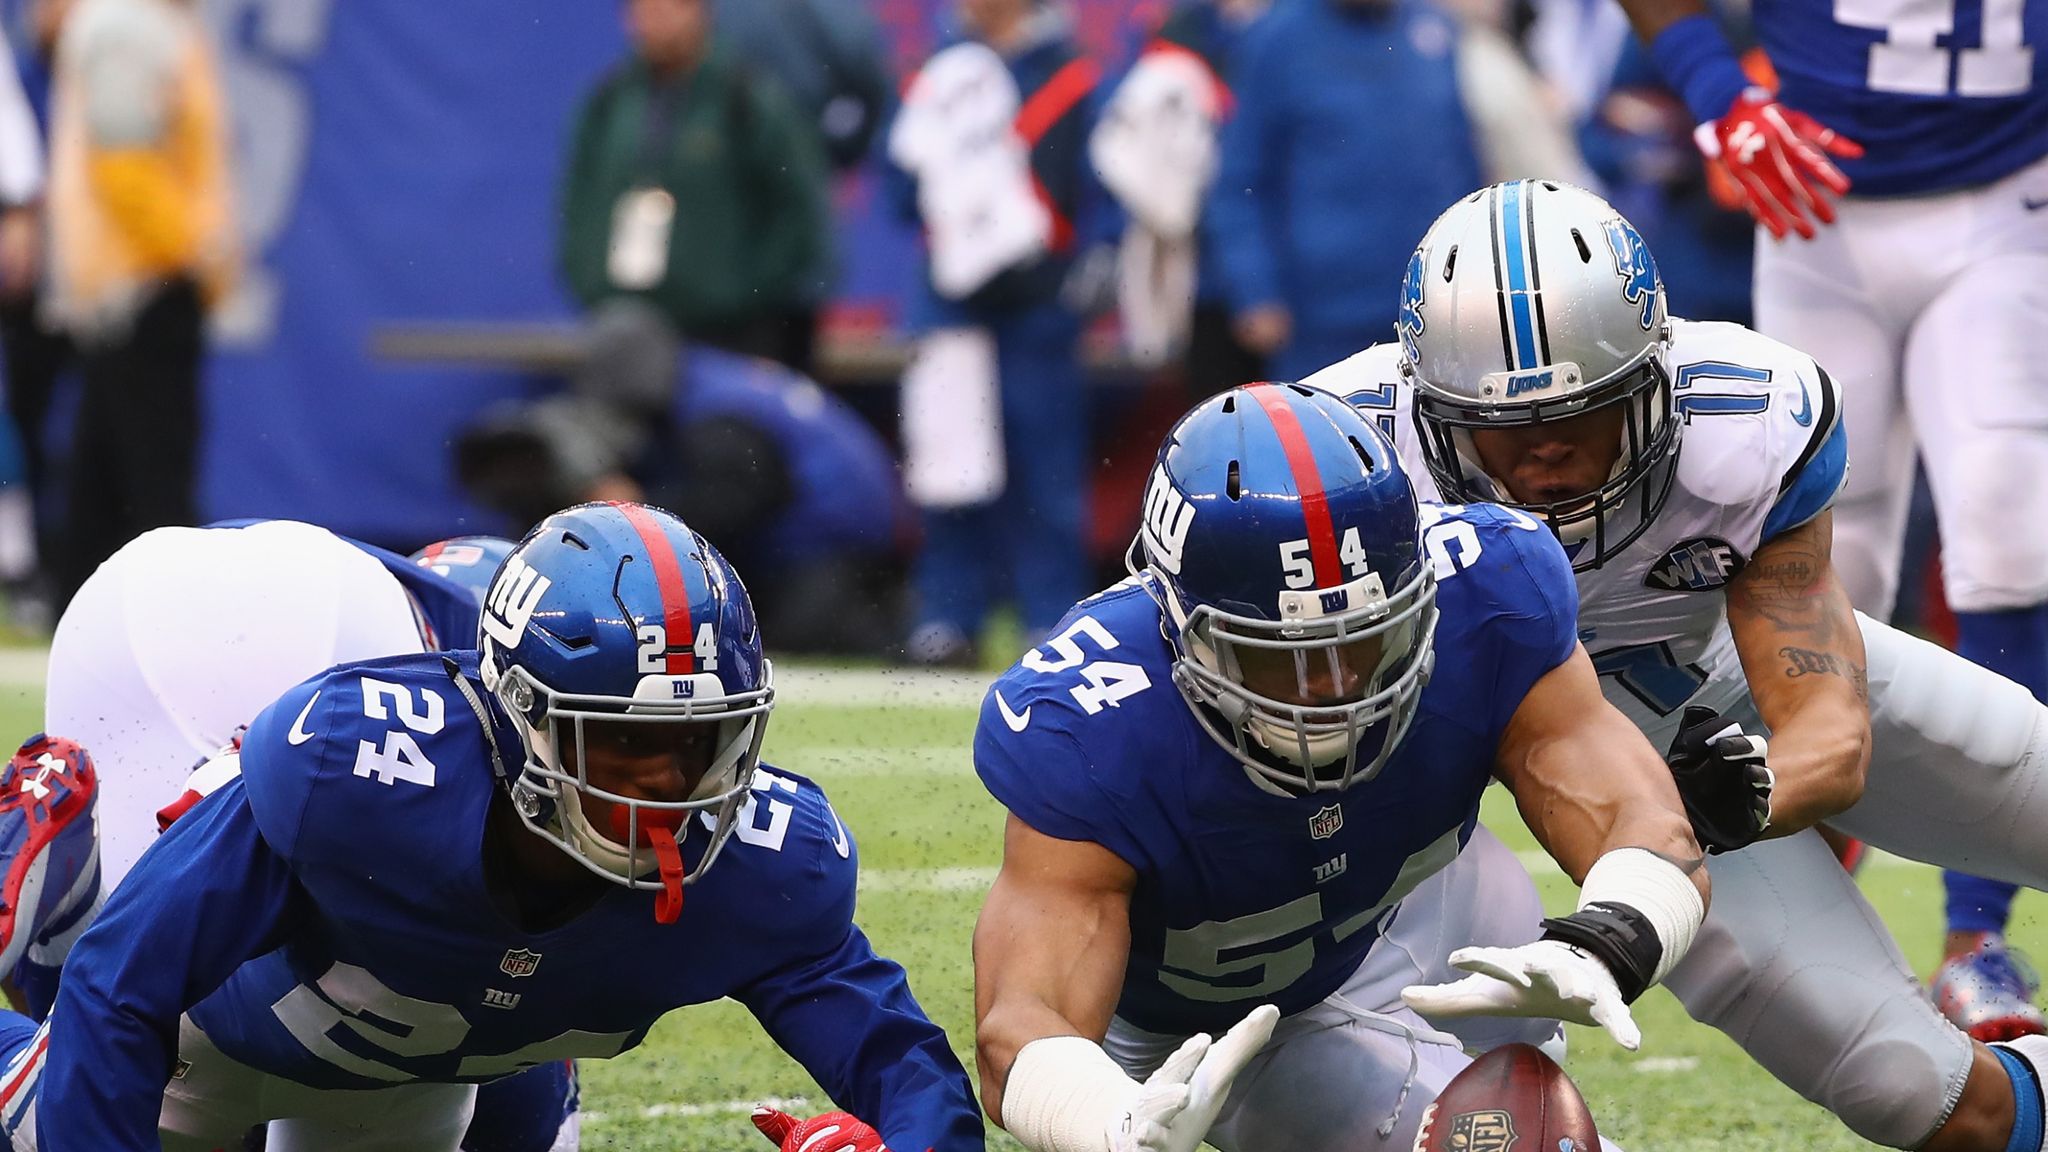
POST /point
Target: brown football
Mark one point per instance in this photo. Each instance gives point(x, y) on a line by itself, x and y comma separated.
point(1513, 1099)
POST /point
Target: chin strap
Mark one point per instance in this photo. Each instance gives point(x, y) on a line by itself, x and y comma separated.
point(669, 904)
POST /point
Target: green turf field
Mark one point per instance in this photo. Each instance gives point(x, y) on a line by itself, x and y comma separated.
point(896, 766)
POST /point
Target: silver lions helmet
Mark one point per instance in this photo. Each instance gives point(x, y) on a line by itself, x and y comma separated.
point(1529, 304)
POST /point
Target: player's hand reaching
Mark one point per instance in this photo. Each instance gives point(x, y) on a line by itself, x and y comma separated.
point(1176, 1105)
point(1724, 778)
point(1779, 159)
point(831, 1132)
point(1548, 978)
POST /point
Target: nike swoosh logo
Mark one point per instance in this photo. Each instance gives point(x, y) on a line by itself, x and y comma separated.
point(2033, 205)
point(1804, 416)
point(839, 843)
point(1016, 720)
point(298, 735)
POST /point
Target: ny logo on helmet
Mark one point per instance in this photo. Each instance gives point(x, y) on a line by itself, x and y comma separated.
point(1633, 264)
point(1168, 516)
point(514, 596)
point(1411, 324)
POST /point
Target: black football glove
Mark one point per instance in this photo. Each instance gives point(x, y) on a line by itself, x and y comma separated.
point(1723, 779)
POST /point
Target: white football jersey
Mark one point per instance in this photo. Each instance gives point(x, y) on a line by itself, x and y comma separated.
point(1760, 451)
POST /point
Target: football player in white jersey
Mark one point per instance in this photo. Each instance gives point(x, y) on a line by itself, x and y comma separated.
point(1926, 292)
point(1689, 469)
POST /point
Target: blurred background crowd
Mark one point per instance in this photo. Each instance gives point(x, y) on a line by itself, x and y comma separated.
point(890, 298)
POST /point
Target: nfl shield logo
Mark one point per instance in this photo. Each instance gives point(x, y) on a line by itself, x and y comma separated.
point(1324, 824)
point(1486, 1131)
point(519, 962)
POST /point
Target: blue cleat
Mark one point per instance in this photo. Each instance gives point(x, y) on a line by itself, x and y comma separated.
point(49, 844)
point(1989, 992)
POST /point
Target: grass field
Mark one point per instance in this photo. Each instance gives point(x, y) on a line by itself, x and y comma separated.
point(892, 752)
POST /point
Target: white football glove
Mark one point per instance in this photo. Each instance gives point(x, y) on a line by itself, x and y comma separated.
point(1176, 1104)
point(1548, 978)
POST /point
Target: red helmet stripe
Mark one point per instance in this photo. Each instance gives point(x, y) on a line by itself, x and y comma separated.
point(1315, 506)
point(668, 582)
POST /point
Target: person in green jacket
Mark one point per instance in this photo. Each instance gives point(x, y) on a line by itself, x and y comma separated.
point(693, 182)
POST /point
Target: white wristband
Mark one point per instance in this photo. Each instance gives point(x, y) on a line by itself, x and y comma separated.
point(1658, 889)
point(1062, 1092)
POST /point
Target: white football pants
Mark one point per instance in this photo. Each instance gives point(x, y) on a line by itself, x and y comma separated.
point(1932, 313)
point(1795, 966)
point(185, 634)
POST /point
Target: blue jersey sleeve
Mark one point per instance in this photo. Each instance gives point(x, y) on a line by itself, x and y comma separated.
point(1809, 487)
point(208, 895)
point(1043, 772)
point(847, 1014)
point(1509, 586)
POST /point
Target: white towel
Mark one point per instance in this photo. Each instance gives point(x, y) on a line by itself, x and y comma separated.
point(1155, 148)
point(953, 420)
point(1155, 294)
point(956, 133)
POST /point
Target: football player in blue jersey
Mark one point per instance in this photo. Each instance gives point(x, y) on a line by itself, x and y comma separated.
point(1924, 297)
point(1690, 469)
point(1243, 791)
point(428, 872)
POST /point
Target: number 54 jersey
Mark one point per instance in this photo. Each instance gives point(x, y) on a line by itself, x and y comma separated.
point(1761, 451)
point(1245, 896)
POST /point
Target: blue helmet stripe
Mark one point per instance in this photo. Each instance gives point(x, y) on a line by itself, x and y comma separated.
point(1514, 246)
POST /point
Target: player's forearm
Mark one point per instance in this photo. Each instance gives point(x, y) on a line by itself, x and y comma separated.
point(1820, 746)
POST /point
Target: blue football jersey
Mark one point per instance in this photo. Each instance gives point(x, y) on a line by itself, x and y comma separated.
point(325, 918)
point(1942, 94)
point(1243, 896)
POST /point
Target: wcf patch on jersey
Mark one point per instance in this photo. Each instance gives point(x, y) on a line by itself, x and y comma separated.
point(1701, 564)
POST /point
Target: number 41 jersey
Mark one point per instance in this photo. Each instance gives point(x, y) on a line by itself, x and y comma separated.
point(1245, 896)
point(1760, 451)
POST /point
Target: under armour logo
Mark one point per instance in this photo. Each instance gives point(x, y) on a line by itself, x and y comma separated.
point(1746, 142)
point(37, 785)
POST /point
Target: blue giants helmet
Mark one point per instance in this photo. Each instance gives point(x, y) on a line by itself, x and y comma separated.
point(1282, 540)
point(607, 620)
point(470, 561)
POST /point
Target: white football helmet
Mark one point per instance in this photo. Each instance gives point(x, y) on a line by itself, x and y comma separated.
point(1532, 301)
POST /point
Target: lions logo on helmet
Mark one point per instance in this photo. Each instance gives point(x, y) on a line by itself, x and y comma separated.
point(614, 631)
point(1410, 323)
point(1283, 544)
point(1639, 282)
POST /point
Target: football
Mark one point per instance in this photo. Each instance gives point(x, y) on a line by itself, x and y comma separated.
point(1514, 1097)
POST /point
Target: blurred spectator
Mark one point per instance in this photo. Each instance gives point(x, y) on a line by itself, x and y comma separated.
point(1637, 137)
point(1156, 152)
point(990, 149)
point(143, 243)
point(694, 182)
point(22, 340)
point(1357, 121)
point(828, 55)
point(767, 465)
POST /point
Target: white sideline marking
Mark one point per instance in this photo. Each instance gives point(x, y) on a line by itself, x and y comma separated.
point(926, 879)
point(799, 685)
point(716, 1108)
point(1660, 1064)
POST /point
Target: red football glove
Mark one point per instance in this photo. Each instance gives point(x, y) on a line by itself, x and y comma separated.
point(832, 1132)
point(1778, 158)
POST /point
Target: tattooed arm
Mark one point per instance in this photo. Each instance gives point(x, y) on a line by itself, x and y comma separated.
point(1803, 654)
